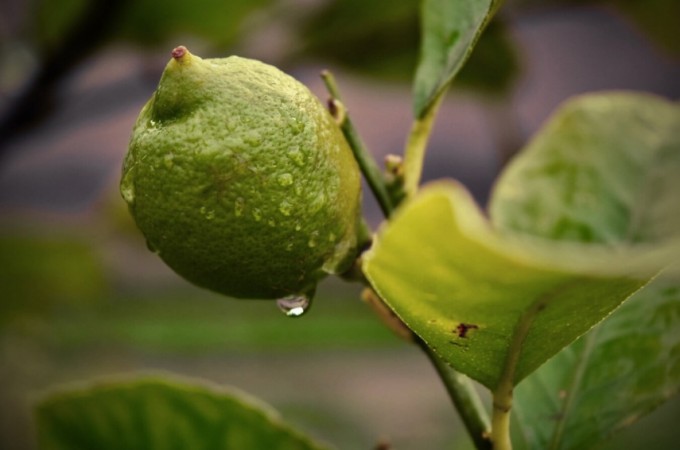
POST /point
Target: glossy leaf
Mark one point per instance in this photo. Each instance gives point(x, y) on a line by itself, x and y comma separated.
point(621, 370)
point(155, 413)
point(586, 212)
point(450, 29)
point(604, 169)
point(491, 306)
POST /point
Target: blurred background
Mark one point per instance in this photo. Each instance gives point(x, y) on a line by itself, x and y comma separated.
point(82, 297)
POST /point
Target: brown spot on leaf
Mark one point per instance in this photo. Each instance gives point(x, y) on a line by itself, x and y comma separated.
point(463, 328)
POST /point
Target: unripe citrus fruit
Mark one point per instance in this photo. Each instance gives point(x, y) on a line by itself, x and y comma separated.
point(241, 180)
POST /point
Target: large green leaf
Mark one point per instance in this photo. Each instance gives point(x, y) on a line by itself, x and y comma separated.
point(493, 307)
point(581, 218)
point(450, 29)
point(606, 168)
point(621, 370)
point(155, 413)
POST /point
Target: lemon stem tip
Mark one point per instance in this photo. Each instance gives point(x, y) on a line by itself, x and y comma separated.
point(179, 52)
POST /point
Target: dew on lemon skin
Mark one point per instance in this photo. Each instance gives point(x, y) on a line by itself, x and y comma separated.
point(318, 202)
point(285, 179)
point(294, 305)
point(207, 213)
point(168, 160)
point(296, 155)
point(285, 208)
point(253, 138)
point(128, 193)
point(296, 126)
point(313, 237)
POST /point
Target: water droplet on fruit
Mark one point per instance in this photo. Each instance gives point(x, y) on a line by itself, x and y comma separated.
point(127, 188)
point(318, 202)
point(253, 138)
point(294, 305)
point(313, 237)
point(285, 179)
point(239, 205)
point(285, 208)
point(168, 160)
point(296, 155)
point(296, 126)
point(128, 193)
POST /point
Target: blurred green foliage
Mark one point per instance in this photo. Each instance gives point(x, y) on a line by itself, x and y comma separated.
point(52, 20)
point(377, 38)
point(219, 22)
point(40, 272)
point(148, 22)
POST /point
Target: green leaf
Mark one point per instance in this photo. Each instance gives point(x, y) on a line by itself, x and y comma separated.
point(581, 218)
point(450, 29)
point(494, 307)
point(604, 169)
point(155, 413)
point(605, 381)
point(380, 39)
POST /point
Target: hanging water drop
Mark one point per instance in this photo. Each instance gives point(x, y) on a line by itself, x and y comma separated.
point(285, 179)
point(127, 189)
point(294, 305)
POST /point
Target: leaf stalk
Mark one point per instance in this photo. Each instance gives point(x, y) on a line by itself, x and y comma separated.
point(416, 145)
point(465, 399)
point(374, 177)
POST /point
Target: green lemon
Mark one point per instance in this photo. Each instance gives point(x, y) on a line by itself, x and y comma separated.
point(241, 180)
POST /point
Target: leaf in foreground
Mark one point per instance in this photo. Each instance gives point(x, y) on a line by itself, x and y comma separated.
point(627, 366)
point(494, 308)
point(155, 413)
point(581, 219)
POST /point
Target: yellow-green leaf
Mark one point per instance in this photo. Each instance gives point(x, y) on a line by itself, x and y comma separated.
point(493, 307)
